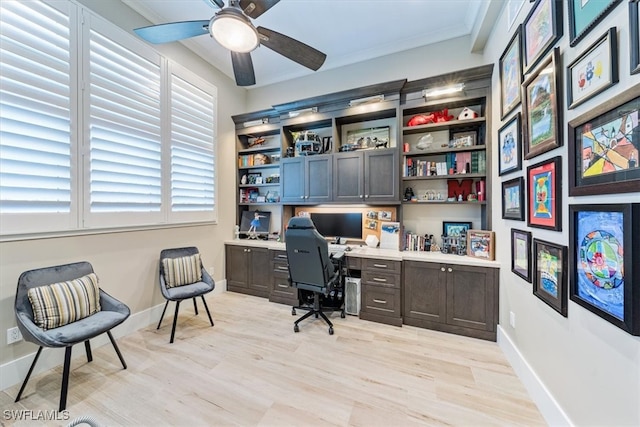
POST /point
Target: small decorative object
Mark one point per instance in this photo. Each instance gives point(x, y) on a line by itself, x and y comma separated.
point(594, 71)
point(463, 139)
point(541, 107)
point(550, 274)
point(369, 138)
point(521, 253)
point(450, 228)
point(467, 114)
point(425, 142)
point(510, 146)
point(544, 194)
point(585, 15)
point(603, 264)
point(603, 147)
point(513, 199)
point(236, 232)
point(261, 159)
point(408, 194)
point(542, 29)
point(289, 152)
point(634, 36)
point(243, 180)
point(481, 244)
point(252, 178)
point(258, 180)
point(272, 196)
point(261, 199)
point(435, 117)
point(511, 74)
point(307, 143)
point(372, 241)
point(459, 188)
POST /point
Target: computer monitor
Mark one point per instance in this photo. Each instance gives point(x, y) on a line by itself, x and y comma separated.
point(255, 222)
point(334, 225)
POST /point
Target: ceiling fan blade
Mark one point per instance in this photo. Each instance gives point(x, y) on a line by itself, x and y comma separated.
point(173, 31)
point(293, 49)
point(212, 3)
point(243, 68)
point(255, 8)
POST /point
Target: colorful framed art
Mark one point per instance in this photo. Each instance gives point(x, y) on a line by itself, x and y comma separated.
point(585, 15)
point(550, 274)
point(511, 74)
point(521, 253)
point(603, 257)
point(544, 194)
point(541, 108)
point(594, 71)
point(510, 146)
point(481, 244)
point(634, 36)
point(542, 29)
point(513, 199)
point(451, 228)
point(603, 147)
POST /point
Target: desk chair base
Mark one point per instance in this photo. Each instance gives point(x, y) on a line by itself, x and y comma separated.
point(316, 310)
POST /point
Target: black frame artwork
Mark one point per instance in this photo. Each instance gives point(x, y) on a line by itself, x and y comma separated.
point(521, 240)
point(579, 24)
point(634, 36)
point(510, 146)
point(550, 274)
point(513, 212)
point(511, 73)
point(531, 53)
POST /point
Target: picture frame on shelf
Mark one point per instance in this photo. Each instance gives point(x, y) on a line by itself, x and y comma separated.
point(550, 274)
point(594, 71)
point(455, 228)
point(513, 206)
point(600, 163)
point(511, 74)
point(481, 244)
point(252, 178)
point(584, 16)
point(541, 109)
point(510, 146)
point(634, 36)
point(258, 180)
point(603, 245)
point(544, 194)
point(463, 139)
point(521, 253)
point(542, 28)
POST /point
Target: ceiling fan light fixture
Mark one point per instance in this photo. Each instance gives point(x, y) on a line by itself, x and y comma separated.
point(232, 30)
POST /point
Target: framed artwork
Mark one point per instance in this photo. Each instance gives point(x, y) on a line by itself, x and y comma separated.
point(513, 199)
point(542, 29)
point(481, 244)
point(254, 177)
point(511, 74)
point(513, 8)
point(450, 228)
point(541, 109)
point(550, 274)
point(521, 253)
point(595, 70)
point(634, 36)
point(604, 251)
point(544, 194)
point(584, 15)
point(510, 146)
point(603, 147)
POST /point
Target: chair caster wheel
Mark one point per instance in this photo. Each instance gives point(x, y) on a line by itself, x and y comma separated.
point(293, 311)
point(342, 315)
point(296, 328)
point(330, 331)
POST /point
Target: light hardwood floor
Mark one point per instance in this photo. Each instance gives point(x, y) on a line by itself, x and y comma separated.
point(251, 369)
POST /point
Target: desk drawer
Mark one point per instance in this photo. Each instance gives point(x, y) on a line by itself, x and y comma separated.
point(383, 265)
point(354, 263)
point(279, 256)
point(282, 268)
point(380, 300)
point(387, 280)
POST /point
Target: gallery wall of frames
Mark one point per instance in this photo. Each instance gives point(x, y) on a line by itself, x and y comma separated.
point(596, 269)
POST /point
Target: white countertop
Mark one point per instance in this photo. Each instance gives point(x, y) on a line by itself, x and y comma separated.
point(388, 254)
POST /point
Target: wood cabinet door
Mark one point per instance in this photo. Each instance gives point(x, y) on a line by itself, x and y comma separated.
point(292, 180)
point(381, 179)
point(318, 178)
point(472, 297)
point(236, 269)
point(260, 267)
point(425, 291)
point(348, 182)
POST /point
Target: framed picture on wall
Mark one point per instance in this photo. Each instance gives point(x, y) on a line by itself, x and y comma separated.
point(603, 260)
point(511, 74)
point(510, 146)
point(513, 199)
point(604, 145)
point(542, 29)
point(541, 109)
point(594, 71)
point(550, 274)
point(521, 253)
point(585, 15)
point(634, 35)
point(544, 194)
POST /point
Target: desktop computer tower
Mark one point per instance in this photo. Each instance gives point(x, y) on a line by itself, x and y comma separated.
point(352, 295)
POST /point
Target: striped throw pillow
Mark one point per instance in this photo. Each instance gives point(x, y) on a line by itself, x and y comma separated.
point(65, 302)
point(182, 271)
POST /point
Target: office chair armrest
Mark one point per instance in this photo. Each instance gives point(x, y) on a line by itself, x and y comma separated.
point(337, 256)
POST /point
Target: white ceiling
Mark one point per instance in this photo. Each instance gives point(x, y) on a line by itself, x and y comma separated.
point(347, 31)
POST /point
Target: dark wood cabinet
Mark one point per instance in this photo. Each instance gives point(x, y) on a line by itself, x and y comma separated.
point(245, 270)
point(281, 291)
point(452, 298)
point(369, 176)
point(381, 291)
point(306, 179)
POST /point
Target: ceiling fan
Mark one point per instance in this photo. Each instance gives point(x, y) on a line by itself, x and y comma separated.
point(233, 29)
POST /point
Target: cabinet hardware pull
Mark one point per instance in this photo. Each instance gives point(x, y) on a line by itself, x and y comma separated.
point(282, 256)
point(248, 250)
point(282, 268)
point(377, 279)
point(366, 196)
point(280, 285)
point(380, 301)
point(441, 268)
point(361, 196)
point(450, 269)
point(380, 265)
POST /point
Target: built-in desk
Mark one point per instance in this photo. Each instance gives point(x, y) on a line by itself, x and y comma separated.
point(450, 293)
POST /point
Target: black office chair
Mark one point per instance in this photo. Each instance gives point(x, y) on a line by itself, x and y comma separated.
point(311, 269)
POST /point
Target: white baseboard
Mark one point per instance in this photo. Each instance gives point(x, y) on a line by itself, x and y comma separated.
point(13, 372)
point(547, 404)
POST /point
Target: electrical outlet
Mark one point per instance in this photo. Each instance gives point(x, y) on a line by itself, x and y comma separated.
point(13, 335)
point(512, 319)
point(211, 270)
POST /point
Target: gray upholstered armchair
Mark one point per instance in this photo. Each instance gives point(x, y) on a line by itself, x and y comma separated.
point(51, 306)
point(182, 277)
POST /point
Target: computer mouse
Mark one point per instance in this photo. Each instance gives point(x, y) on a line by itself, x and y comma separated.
point(347, 249)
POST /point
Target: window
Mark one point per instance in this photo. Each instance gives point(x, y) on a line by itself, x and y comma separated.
point(98, 131)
